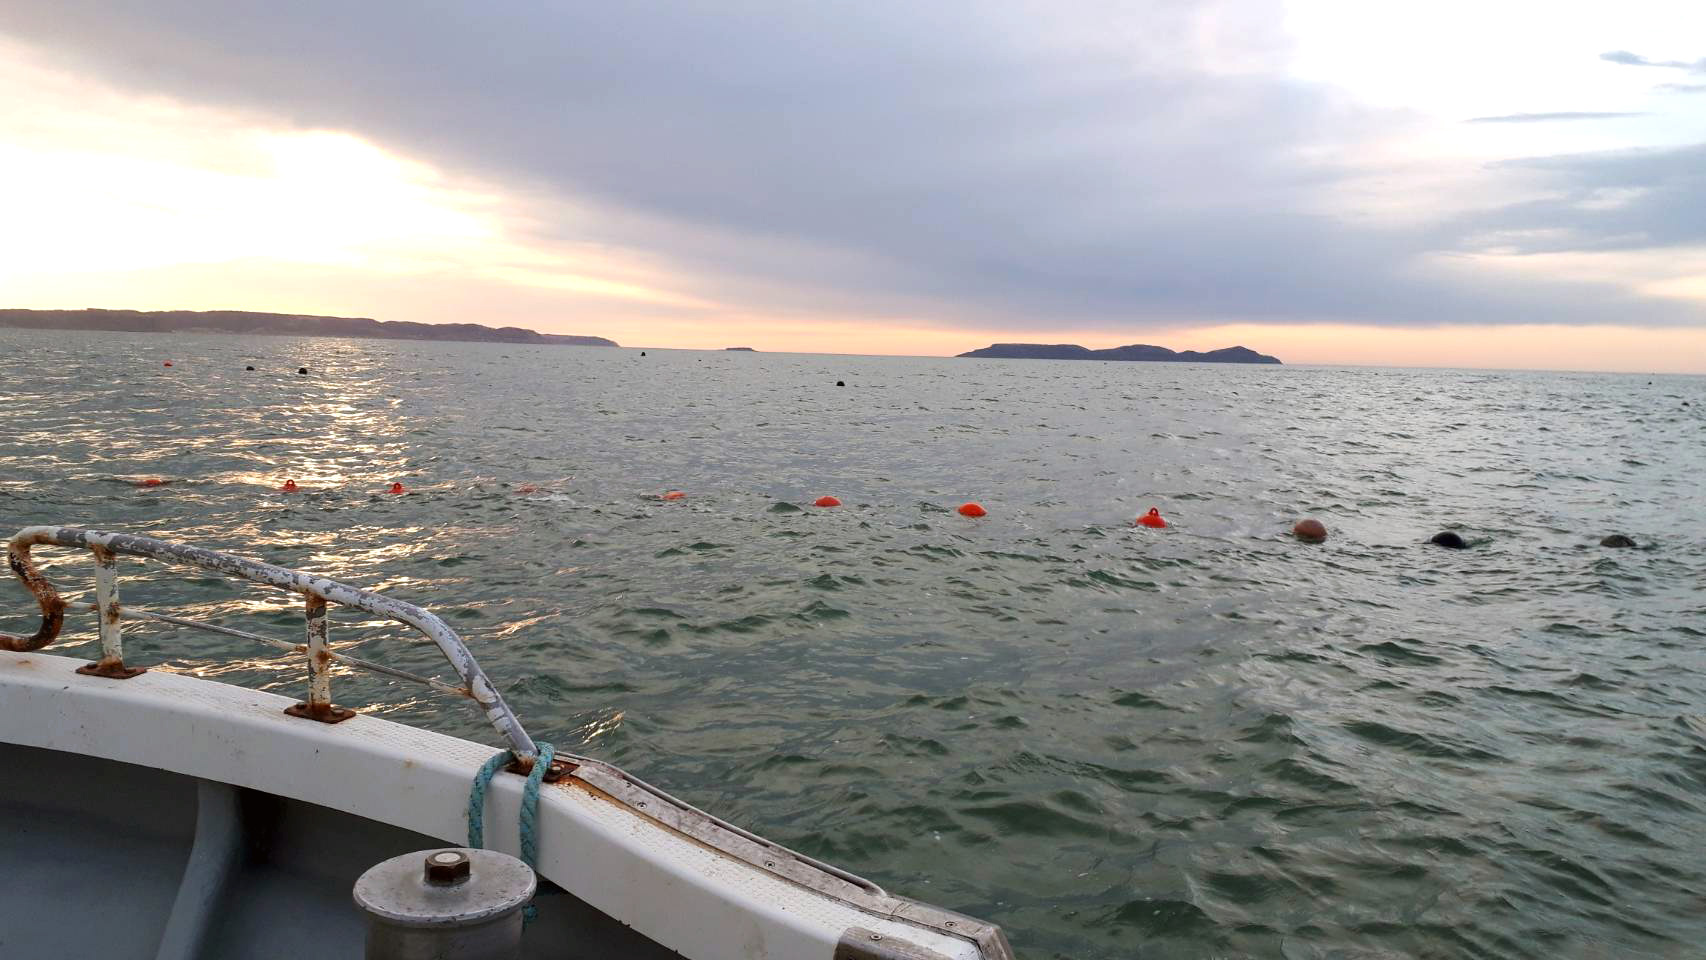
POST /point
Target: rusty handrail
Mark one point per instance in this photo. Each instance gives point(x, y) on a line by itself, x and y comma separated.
point(317, 591)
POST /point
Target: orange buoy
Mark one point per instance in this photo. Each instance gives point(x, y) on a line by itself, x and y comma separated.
point(527, 488)
point(674, 495)
point(1152, 519)
point(289, 486)
point(826, 502)
point(150, 482)
point(396, 488)
point(971, 510)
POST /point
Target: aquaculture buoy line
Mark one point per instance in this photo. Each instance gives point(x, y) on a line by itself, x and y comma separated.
point(1307, 530)
point(290, 486)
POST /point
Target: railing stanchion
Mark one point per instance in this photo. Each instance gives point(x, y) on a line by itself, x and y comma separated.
point(111, 664)
point(319, 705)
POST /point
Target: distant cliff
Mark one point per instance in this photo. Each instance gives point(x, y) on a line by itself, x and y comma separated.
point(1137, 351)
point(278, 324)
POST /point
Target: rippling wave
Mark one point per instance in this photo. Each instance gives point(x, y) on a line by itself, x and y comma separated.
point(1209, 740)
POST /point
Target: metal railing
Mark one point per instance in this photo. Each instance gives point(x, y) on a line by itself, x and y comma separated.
point(317, 592)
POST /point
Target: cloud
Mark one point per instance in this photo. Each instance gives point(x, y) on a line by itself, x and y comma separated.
point(1621, 200)
point(1098, 164)
point(1549, 117)
point(1635, 60)
point(1683, 87)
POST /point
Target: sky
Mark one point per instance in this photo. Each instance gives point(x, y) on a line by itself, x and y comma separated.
point(1513, 184)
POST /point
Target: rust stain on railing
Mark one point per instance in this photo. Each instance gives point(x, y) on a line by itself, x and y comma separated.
point(52, 607)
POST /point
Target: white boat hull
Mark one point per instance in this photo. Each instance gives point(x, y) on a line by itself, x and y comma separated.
point(170, 816)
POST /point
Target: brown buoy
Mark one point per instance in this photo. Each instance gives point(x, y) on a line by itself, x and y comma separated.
point(1617, 540)
point(1446, 538)
point(1310, 531)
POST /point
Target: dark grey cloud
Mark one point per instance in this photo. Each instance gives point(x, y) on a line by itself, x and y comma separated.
point(1620, 200)
point(1636, 60)
point(1550, 117)
point(1094, 164)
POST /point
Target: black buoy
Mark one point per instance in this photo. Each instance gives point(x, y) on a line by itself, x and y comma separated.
point(1446, 538)
point(642, 353)
point(841, 383)
point(248, 368)
point(1617, 540)
point(302, 370)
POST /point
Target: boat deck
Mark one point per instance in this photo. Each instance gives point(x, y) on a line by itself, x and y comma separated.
point(99, 864)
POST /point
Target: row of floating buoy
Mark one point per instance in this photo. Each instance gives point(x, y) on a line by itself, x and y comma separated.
point(301, 371)
point(288, 486)
point(1308, 530)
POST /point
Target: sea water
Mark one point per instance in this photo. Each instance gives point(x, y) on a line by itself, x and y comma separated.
point(1207, 740)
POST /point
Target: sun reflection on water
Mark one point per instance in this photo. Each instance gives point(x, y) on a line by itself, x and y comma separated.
point(594, 729)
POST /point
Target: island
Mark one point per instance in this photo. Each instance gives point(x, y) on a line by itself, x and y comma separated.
point(1136, 351)
point(741, 349)
point(280, 324)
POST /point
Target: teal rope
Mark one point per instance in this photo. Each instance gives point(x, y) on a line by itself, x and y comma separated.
point(477, 799)
point(530, 804)
point(529, 807)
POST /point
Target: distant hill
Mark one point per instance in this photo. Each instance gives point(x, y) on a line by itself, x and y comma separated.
point(1136, 351)
point(741, 349)
point(279, 324)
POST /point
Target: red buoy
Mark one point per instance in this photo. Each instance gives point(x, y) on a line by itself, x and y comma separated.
point(396, 488)
point(289, 486)
point(826, 502)
point(674, 495)
point(150, 482)
point(971, 510)
point(527, 488)
point(1152, 519)
point(168, 363)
